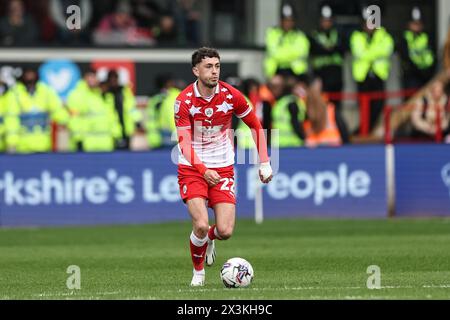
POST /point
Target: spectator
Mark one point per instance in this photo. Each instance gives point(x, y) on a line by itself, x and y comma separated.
point(320, 126)
point(17, 28)
point(187, 16)
point(122, 100)
point(159, 124)
point(40, 11)
point(9, 120)
point(101, 8)
point(38, 105)
point(424, 117)
point(250, 88)
point(418, 64)
point(327, 51)
point(146, 13)
point(288, 115)
point(287, 49)
point(166, 33)
point(93, 122)
point(121, 28)
point(269, 94)
point(372, 50)
point(59, 16)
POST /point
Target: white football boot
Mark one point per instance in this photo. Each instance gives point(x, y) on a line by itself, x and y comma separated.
point(198, 279)
point(210, 253)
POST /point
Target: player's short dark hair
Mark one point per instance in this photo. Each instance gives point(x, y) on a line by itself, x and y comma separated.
point(203, 53)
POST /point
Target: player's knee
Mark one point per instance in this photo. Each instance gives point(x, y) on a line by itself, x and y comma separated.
point(225, 232)
point(201, 230)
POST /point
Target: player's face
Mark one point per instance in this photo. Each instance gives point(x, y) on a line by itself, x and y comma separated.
point(208, 71)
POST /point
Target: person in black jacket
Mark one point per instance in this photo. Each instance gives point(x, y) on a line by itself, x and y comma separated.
point(327, 52)
point(417, 57)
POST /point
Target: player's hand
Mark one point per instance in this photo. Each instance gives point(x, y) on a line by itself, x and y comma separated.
point(212, 177)
point(265, 172)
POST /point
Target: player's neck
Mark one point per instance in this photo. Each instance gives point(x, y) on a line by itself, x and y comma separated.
point(204, 90)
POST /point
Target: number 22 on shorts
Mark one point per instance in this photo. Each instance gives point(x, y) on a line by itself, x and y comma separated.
point(227, 185)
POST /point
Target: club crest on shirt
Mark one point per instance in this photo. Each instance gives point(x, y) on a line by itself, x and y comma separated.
point(177, 106)
point(209, 112)
point(184, 189)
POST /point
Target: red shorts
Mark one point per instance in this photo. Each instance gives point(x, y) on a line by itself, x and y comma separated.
point(193, 185)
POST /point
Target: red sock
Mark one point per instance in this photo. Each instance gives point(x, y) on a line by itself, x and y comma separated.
point(198, 250)
point(211, 234)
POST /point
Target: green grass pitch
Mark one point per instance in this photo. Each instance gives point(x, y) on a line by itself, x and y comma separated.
point(292, 259)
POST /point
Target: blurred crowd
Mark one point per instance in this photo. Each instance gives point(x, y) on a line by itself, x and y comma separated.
point(315, 62)
point(301, 96)
point(98, 115)
point(102, 22)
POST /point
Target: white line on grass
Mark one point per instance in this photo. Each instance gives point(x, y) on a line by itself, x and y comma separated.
point(190, 290)
point(437, 286)
point(72, 294)
point(308, 288)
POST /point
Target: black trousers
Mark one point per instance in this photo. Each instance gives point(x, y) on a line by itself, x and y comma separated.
point(373, 83)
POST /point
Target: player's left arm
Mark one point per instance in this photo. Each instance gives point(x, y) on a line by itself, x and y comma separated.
point(244, 111)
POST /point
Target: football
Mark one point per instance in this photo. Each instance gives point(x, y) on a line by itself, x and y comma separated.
point(236, 273)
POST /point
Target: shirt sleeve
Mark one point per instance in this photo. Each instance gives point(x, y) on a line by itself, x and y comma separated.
point(181, 114)
point(241, 106)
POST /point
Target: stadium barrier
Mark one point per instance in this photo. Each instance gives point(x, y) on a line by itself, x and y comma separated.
point(388, 110)
point(142, 187)
point(365, 100)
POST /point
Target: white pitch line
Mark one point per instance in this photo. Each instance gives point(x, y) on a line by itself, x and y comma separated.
point(188, 290)
point(309, 288)
point(437, 286)
point(69, 294)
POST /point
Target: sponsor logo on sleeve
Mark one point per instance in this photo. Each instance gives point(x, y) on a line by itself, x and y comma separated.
point(177, 106)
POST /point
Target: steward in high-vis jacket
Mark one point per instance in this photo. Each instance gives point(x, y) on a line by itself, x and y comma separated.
point(417, 56)
point(9, 120)
point(159, 122)
point(93, 123)
point(37, 105)
point(327, 53)
point(288, 115)
point(287, 48)
point(122, 99)
point(372, 51)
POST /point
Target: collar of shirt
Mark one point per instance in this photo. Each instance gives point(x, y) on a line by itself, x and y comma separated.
point(198, 95)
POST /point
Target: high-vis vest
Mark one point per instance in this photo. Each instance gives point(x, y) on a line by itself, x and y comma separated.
point(9, 122)
point(154, 137)
point(166, 117)
point(93, 121)
point(326, 41)
point(131, 113)
point(35, 114)
point(286, 50)
point(281, 120)
point(160, 114)
point(419, 50)
point(371, 54)
point(329, 136)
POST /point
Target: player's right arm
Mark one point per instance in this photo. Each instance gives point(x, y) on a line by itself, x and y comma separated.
point(184, 132)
